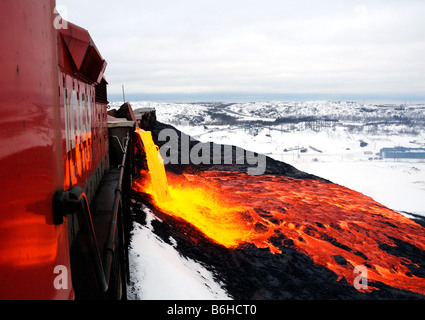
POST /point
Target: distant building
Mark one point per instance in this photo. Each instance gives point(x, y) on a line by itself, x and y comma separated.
point(403, 153)
point(363, 144)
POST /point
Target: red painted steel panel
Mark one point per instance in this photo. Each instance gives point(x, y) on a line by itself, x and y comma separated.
point(33, 251)
point(77, 40)
point(83, 51)
point(84, 129)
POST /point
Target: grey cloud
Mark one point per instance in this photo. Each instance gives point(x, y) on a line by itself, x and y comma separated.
point(263, 46)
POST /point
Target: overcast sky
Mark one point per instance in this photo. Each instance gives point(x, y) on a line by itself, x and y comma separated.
point(258, 46)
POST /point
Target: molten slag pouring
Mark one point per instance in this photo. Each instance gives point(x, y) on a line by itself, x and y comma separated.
point(334, 226)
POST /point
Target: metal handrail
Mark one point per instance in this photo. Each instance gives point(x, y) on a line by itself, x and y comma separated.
point(86, 223)
point(110, 244)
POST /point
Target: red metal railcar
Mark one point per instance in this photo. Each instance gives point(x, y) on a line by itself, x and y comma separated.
point(54, 152)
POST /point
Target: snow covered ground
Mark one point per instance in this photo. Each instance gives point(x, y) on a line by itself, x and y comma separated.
point(338, 141)
point(158, 272)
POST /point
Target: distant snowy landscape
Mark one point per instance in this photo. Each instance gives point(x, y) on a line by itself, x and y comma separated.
point(338, 141)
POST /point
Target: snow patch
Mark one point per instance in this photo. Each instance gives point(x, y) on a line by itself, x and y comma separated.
point(159, 272)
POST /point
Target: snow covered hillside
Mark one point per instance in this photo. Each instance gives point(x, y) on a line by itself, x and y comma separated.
point(281, 112)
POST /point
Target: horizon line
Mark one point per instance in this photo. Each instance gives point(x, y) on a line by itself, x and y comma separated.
point(239, 97)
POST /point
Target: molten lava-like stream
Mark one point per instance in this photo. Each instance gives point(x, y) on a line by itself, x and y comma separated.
point(320, 219)
point(208, 210)
point(155, 165)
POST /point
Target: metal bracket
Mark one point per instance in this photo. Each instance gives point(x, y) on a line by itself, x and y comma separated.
point(65, 203)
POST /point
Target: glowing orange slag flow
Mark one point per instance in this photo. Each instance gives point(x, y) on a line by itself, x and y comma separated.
point(155, 165)
point(322, 220)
